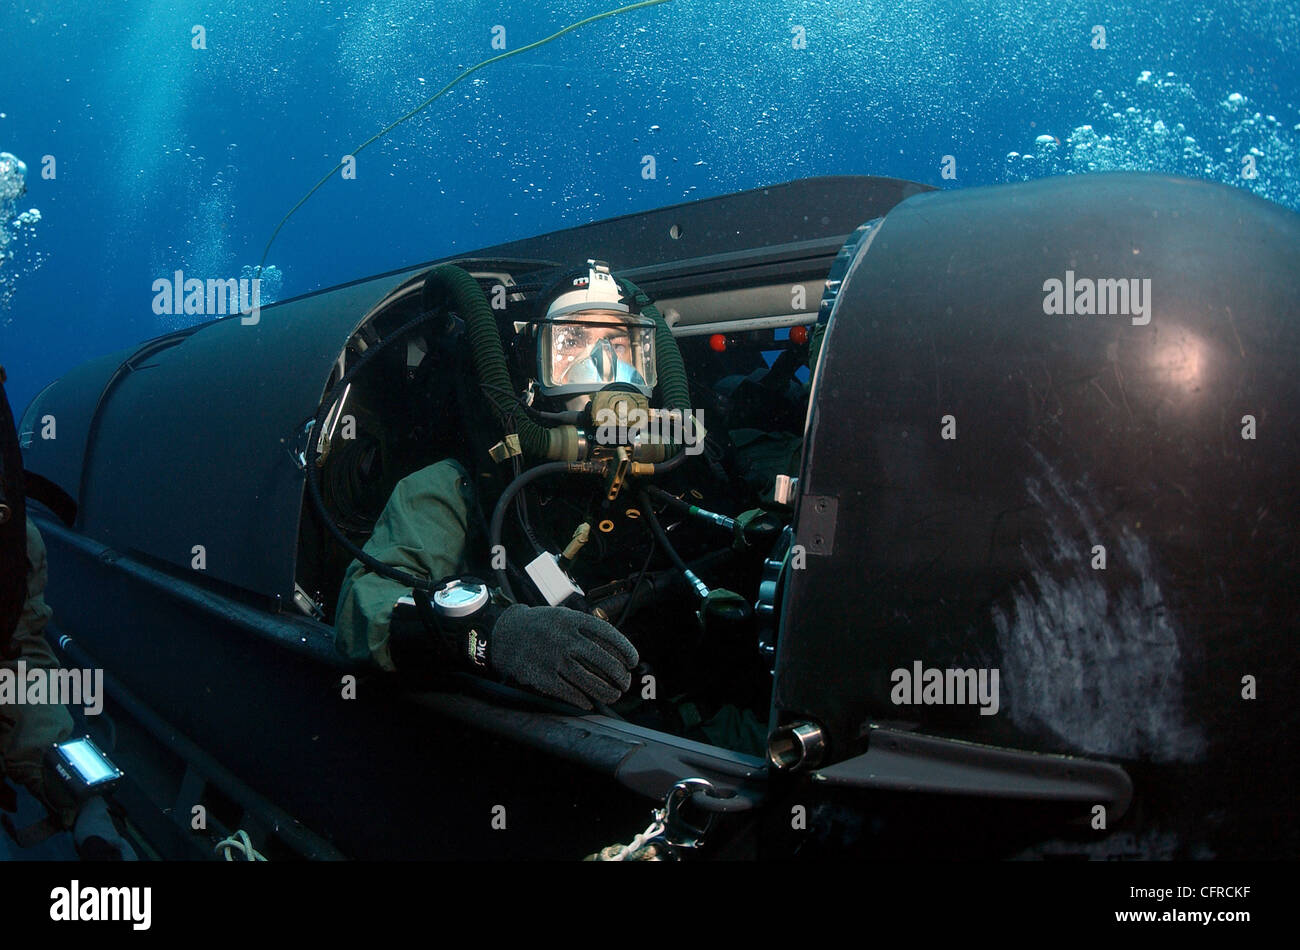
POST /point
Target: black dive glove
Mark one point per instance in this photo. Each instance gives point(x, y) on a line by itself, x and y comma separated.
point(562, 653)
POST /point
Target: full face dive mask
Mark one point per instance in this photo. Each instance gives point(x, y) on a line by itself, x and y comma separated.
point(590, 338)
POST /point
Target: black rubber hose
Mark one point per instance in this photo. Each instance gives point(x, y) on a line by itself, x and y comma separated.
point(448, 285)
point(541, 416)
point(671, 370)
point(521, 506)
point(671, 463)
point(694, 511)
point(503, 505)
point(636, 585)
point(662, 537)
point(674, 390)
point(669, 499)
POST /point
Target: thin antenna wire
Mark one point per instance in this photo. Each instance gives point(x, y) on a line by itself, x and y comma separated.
point(427, 102)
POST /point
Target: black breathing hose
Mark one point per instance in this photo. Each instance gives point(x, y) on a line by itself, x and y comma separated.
point(503, 505)
point(450, 285)
point(668, 358)
point(662, 537)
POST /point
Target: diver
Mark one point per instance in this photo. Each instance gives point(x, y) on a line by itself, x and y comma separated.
point(30, 733)
point(588, 340)
point(596, 411)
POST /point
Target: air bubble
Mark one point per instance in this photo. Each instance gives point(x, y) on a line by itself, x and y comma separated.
point(1175, 131)
point(17, 258)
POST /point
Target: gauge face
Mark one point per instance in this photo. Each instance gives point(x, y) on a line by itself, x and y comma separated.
point(460, 598)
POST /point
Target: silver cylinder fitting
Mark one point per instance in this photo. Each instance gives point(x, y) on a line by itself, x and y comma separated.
point(796, 745)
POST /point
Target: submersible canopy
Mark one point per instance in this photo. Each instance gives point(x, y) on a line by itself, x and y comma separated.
point(195, 437)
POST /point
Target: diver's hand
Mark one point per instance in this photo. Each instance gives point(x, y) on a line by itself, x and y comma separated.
point(96, 836)
point(563, 653)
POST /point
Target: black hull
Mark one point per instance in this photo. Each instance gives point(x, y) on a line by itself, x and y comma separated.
point(383, 776)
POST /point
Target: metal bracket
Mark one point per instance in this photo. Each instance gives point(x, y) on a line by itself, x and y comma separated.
point(816, 524)
point(678, 832)
point(299, 444)
point(304, 602)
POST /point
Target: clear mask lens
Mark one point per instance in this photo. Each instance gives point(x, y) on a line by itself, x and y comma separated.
point(589, 350)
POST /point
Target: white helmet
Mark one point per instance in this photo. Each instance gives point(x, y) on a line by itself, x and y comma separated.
point(590, 337)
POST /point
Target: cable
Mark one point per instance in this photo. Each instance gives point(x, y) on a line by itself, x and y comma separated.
point(670, 464)
point(503, 504)
point(241, 843)
point(636, 585)
point(662, 537)
point(427, 102)
point(695, 511)
point(570, 417)
point(521, 508)
point(511, 413)
point(521, 503)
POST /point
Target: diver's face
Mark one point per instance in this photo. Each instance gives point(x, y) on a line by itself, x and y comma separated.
point(588, 350)
point(595, 347)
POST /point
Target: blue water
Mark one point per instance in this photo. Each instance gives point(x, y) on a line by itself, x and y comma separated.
point(168, 157)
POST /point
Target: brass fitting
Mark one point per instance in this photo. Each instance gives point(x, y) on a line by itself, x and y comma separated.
point(580, 536)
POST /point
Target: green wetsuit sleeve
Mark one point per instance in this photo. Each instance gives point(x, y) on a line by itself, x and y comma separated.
point(423, 531)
